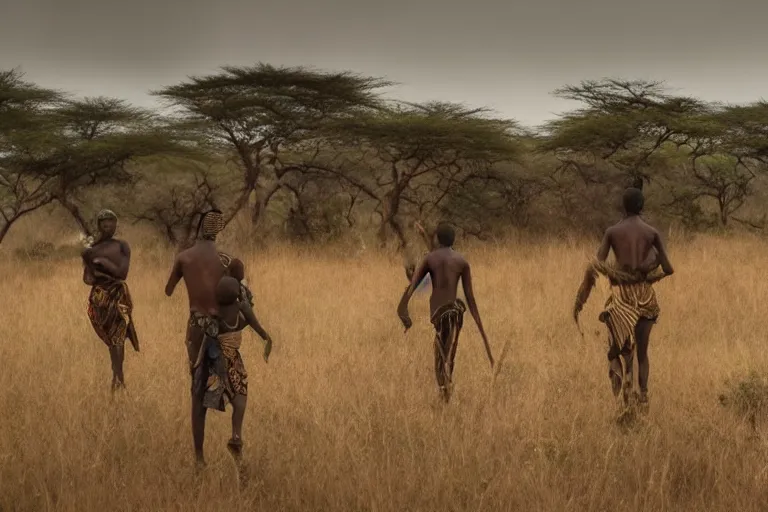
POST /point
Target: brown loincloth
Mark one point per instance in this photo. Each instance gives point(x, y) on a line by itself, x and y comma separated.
point(448, 321)
point(110, 309)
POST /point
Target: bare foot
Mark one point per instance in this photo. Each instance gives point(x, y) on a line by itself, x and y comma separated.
point(200, 463)
point(235, 447)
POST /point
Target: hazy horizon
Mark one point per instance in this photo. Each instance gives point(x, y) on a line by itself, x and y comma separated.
point(506, 58)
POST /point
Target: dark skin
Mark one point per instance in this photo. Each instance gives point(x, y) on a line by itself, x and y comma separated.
point(637, 246)
point(240, 315)
point(201, 269)
point(108, 259)
point(446, 267)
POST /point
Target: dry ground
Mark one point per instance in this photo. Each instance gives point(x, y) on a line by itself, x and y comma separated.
point(345, 415)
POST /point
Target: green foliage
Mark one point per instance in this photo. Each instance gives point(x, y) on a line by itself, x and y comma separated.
point(175, 191)
point(324, 155)
point(622, 124)
point(258, 114)
point(412, 158)
point(626, 125)
point(54, 148)
point(24, 115)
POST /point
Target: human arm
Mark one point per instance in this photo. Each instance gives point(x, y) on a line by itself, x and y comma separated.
point(88, 277)
point(651, 261)
point(246, 294)
point(117, 270)
point(605, 246)
point(174, 278)
point(663, 259)
point(402, 308)
point(253, 322)
point(469, 294)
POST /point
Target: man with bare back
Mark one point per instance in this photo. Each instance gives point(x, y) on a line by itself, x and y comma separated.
point(110, 307)
point(201, 266)
point(632, 309)
point(445, 267)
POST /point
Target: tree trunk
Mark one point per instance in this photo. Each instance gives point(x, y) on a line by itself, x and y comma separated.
point(390, 219)
point(171, 235)
point(19, 213)
point(4, 229)
point(262, 200)
point(723, 210)
point(74, 211)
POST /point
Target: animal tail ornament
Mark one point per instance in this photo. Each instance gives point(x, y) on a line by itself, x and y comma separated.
point(582, 295)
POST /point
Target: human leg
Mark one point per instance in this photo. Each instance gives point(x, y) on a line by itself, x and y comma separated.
point(235, 444)
point(198, 375)
point(440, 365)
point(238, 383)
point(642, 334)
point(447, 332)
point(117, 356)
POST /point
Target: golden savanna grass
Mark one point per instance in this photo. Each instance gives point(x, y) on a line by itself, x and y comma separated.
point(345, 417)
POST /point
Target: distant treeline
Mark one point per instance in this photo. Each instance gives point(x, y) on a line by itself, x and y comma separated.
point(318, 155)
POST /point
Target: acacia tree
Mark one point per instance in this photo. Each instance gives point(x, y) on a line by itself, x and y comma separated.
point(96, 140)
point(54, 148)
point(24, 109)
point(321, 206)
point(174, 207)
point(726, 151)
point(496, 200)
point(614, 138)
point(265, 117)
point(410, 158)
point(623, 123)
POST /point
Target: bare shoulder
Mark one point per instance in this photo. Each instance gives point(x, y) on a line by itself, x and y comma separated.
point(125, 246)
point(651, 231)
point(461, 260)
point(183, 256)
point(653, 234)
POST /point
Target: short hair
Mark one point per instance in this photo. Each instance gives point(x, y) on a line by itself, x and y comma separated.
point(633, 200)
point(237, 269)
point(446, 235)
point(227, 291)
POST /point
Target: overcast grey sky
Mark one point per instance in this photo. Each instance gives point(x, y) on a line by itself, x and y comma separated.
point(507, 55)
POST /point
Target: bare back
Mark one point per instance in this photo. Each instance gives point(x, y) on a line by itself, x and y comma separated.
point(445, 267)
point(636, 245)
point(201, 269)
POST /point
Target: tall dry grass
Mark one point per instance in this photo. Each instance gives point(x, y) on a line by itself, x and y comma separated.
point(346, 416)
